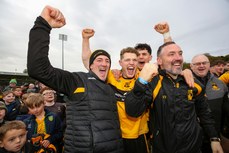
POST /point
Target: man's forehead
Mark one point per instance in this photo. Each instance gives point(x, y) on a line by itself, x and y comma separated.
point(102, 57)
point(128, 55)
point(142, 51)
point(200, 58)
point(172, 47)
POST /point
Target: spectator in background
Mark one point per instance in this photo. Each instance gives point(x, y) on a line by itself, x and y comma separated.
point(3, 111)
point(52, 105)
point(218, 67)
point(12, 84)
point(226, 67)
point(23, 109)
point(24, 87)
point(216, 92)
point(42, 121)
point(31, 88)
point(58, 108)
point(17, 93)
point(11, 105)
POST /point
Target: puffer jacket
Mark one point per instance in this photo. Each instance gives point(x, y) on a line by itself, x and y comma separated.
point(91, 112)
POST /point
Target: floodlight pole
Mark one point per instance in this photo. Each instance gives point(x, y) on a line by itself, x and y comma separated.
point(63, 38)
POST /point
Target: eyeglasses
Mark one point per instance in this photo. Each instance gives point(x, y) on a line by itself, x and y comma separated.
point(48, 93)
point(199, 63)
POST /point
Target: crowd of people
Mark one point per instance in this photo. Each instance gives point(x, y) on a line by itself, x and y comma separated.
point(143, 108)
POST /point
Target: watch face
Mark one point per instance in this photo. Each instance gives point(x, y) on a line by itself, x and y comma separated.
point(215, 139)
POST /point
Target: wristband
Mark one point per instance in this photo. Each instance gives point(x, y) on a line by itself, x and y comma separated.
point(142, 81)
point(215, 139)
point(166, 35)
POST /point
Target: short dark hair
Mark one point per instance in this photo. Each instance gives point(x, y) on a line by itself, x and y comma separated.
point(142, 46)
point(216, 62)
point(163, 45)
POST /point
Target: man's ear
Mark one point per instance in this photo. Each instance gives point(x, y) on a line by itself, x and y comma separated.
point(151, 57)
point(91, 66)
point(159, 61)
point(1, 144)
point(120, 63)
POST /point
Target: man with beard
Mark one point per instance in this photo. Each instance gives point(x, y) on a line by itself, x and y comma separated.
point(174, 105)
point(216, 92)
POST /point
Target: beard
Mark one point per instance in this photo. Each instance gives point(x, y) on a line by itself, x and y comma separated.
point(174, 72)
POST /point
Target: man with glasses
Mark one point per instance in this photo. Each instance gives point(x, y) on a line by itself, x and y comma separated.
point(216, 92)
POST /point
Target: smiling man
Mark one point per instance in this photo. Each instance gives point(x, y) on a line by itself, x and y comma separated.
point(91, 114)
point(174, 105)
point(216, 92)
point(133, 129)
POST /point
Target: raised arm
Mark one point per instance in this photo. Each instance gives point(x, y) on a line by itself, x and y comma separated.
point(163, 28)
point(38, 63)
point(86, 51)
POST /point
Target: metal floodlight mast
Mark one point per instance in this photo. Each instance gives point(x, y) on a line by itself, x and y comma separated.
point(63, 38)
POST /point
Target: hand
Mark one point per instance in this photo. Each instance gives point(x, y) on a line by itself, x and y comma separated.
point(88, 33)
point(117, 74)
point(188, 76)
point(53, 16)
point(45, 143)
point(216, 147)
point(162, 27)
point(149, 71)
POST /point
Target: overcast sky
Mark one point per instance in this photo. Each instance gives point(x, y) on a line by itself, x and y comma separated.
point(198, 26)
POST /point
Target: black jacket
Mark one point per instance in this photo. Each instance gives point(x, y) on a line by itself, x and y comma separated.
point(91, 113)
point(173, 116)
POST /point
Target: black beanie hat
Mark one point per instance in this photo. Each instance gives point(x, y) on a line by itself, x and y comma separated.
point(96, 53)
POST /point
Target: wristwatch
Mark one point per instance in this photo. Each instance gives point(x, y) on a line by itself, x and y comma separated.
point(215, 139)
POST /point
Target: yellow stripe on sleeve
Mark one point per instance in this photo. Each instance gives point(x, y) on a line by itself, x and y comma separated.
point(80, 89)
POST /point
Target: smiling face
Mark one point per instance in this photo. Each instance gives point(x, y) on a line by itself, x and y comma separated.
point(219, 68)
point(128, 64)
point(8, 97)
point(200, 65)
point(101, 66)
point(171, 59)
point(144, 57)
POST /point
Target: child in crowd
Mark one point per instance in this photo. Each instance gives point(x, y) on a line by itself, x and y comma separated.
point(23, 110)
point(52, 105)
point(3, 111)
point(13, 138)
point(17, 93)
point(58, 108)
point(11, 105)
point(42, 122)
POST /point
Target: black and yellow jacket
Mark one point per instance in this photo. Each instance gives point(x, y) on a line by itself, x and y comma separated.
point(174, 113)
point(131, 127)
